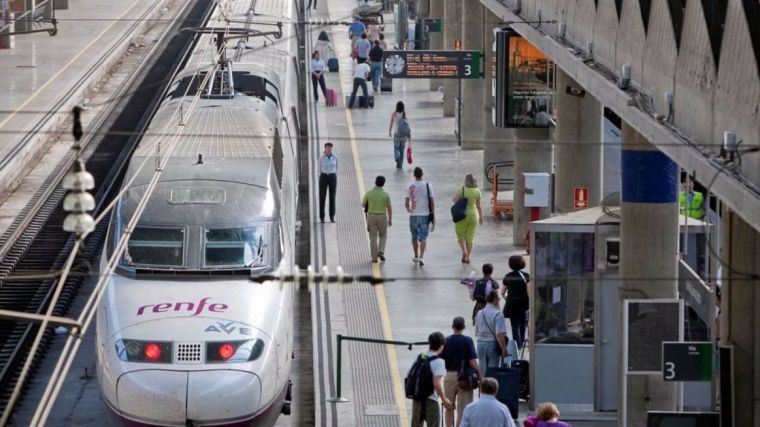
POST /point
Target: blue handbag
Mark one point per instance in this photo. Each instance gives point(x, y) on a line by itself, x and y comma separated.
point(459, 210)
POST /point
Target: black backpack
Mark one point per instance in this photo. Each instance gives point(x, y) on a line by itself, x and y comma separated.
point(418, 385)
point(479, 293)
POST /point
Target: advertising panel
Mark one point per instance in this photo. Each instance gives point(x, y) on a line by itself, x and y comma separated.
point(524, 84)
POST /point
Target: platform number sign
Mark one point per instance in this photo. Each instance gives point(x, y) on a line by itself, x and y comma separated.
point(687, 361)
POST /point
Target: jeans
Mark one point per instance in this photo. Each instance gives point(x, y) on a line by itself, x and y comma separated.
point(358, 82)
point(518, 330)
point(398, 150)
point(376, 71)
point(488, 355)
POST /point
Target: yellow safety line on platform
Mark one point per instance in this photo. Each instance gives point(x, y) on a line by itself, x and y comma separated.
point(68, 64)
point(385, 318)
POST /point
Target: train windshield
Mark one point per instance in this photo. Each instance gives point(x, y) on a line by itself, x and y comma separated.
point(156, 246)
point(236, 247)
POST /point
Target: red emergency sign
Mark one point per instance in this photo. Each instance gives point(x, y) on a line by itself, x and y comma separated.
point(580, 200)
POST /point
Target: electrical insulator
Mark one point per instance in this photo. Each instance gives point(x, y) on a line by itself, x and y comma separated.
point(79, 223)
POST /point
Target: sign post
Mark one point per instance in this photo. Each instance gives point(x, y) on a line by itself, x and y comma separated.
point(431, 64)
point(687, 361)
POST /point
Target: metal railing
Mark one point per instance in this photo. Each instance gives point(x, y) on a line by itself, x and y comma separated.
point(338, 398)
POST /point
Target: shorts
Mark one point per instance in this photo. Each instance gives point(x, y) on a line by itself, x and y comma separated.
point(419, 225)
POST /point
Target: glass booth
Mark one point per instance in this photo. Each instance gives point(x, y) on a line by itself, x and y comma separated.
point(575, 312)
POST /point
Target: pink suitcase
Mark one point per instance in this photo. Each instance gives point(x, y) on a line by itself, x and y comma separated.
point(331, 98)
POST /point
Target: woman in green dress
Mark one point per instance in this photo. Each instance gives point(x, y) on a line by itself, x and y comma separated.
point(466, 228)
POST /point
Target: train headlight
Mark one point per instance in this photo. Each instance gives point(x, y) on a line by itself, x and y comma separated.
point(233, 351)
point(144, 351)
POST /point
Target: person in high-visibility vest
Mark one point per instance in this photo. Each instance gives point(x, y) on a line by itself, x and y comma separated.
point(691, 201)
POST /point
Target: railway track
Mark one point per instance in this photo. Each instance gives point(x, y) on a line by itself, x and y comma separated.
point(36, 243)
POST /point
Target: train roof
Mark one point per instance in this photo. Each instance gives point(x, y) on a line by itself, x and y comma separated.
point(212, 129)
point(221, 191)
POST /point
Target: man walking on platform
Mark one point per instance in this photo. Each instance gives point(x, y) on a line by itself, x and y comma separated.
point(425, 381)
point(376, 65)
point(420, 204)
point(355, 30)
point(487, 411)
point(377, 205)
point(328, 180)
point(363, 47)
point(491, 331)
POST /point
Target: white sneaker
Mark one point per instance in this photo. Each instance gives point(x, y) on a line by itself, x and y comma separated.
point(415, 260)
point(421, 262)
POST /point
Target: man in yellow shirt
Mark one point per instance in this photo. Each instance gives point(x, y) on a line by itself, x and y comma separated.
point(377, 205)
point(691, 201)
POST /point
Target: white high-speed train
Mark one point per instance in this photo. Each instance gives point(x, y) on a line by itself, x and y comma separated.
point(184, 337)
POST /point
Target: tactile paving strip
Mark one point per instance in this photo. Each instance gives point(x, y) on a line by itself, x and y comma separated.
point(370, 369)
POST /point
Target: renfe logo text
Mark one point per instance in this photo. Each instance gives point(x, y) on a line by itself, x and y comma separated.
point(187, 307)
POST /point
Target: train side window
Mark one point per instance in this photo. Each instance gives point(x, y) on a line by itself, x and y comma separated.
point(277, 157)
point(156, 246)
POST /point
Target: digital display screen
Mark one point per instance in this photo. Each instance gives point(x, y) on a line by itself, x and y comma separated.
point(427, 64)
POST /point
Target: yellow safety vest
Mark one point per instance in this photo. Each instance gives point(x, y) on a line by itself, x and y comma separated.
point(693, 209)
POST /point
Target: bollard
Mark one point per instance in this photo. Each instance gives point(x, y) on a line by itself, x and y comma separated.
point(338, 398)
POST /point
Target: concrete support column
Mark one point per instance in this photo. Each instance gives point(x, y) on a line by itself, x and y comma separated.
point(532, 153)
point(648, 253)
point(423, 8)
point(497, 143)
point(436, 39)
point(578, 144)
point(473, 90)
point(741, 314)
point(452, 30)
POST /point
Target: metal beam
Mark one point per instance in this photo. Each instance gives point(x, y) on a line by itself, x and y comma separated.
point(740, 195)
point(38, 318)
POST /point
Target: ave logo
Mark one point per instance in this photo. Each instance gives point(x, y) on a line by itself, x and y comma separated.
point(228, 328)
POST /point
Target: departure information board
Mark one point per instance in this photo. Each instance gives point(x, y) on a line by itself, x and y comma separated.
point(431, 64)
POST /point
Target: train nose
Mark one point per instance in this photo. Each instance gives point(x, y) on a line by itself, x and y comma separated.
point(222, 395)
point(154, 395)
point(176, 397)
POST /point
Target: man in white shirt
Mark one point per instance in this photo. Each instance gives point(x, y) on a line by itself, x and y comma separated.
point(328, 180)
point(361, 72)
point(427, 411)
point(421, 207)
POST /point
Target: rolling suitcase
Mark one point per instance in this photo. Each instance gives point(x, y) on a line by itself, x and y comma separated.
point(386, 85)
point(332, 64)
point(331, 98)
point(523, 366)
point(361, 101)
point(509, 387)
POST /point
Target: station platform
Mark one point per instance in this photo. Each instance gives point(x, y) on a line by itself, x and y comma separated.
point(416, 300)
point(42, 78)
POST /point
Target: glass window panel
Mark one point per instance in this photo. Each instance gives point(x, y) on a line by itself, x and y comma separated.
point(239, 247)
point(564, 300)
point(156, 246)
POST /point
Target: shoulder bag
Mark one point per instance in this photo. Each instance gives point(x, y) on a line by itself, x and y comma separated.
point(459, 209)
point(431, 217)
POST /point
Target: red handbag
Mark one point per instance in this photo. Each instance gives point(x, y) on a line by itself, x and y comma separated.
point(409, 155)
